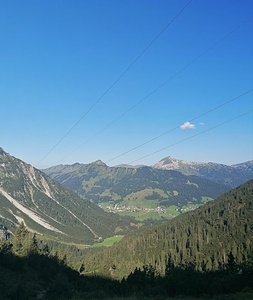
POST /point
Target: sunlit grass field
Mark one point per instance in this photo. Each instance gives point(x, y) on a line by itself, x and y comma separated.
point(109, 241)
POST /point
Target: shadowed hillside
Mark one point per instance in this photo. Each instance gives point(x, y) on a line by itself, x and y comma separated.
point(29, 272)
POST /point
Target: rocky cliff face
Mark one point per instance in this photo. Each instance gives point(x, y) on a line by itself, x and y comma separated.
point(27, 194)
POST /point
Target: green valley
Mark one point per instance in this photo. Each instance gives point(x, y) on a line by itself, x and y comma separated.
point(141, 192)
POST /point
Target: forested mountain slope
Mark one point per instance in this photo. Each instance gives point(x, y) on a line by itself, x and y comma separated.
point(231, 176)
point(124, 185)
point(48, 208)
point(205, 238)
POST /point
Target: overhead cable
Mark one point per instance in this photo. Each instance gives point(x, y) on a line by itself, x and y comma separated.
point(193, 136)
point(114, 83)
point(159, 87)
point(175, 128)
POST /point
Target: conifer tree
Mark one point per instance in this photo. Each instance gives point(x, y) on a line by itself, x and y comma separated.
point(21, 242)
point(34, 245)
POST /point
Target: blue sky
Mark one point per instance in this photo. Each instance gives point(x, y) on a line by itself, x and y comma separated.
point(59, 58)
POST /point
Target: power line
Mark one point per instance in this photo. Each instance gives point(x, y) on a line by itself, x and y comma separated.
point(175, 128)
point(159, 87)
point(116, 81)
point(202, 132)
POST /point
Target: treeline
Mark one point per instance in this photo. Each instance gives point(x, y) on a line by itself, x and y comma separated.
point(29, 272)
point(185, 280)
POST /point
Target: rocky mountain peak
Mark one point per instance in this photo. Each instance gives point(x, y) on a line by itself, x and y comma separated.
point(99, 163)
point(170, 163)
point(229, 175)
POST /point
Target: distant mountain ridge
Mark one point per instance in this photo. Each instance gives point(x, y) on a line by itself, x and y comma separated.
point(137, 186)
point(231, 176)
point(46, 207)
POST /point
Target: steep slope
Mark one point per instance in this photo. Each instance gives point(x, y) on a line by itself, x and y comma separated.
point(141, 186)
point(205, 237)
point(229, 175)
point(49, 208)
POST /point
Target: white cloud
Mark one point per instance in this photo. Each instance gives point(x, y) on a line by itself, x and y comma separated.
point(187, 125)
point(201, 124)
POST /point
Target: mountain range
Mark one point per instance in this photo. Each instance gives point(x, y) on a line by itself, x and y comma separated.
point(231, 176)
point(169, 183)
point(48, 208)
point(63, 205)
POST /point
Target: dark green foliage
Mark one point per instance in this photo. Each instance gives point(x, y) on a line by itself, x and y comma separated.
point(27, 277)
point(37, 271)
point(21, 241)
point(155, 196)
point(208, 238)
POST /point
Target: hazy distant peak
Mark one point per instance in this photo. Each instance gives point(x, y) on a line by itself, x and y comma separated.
point(99, 163)
point(247, 164)
point(220, 173)
point(170, 163)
